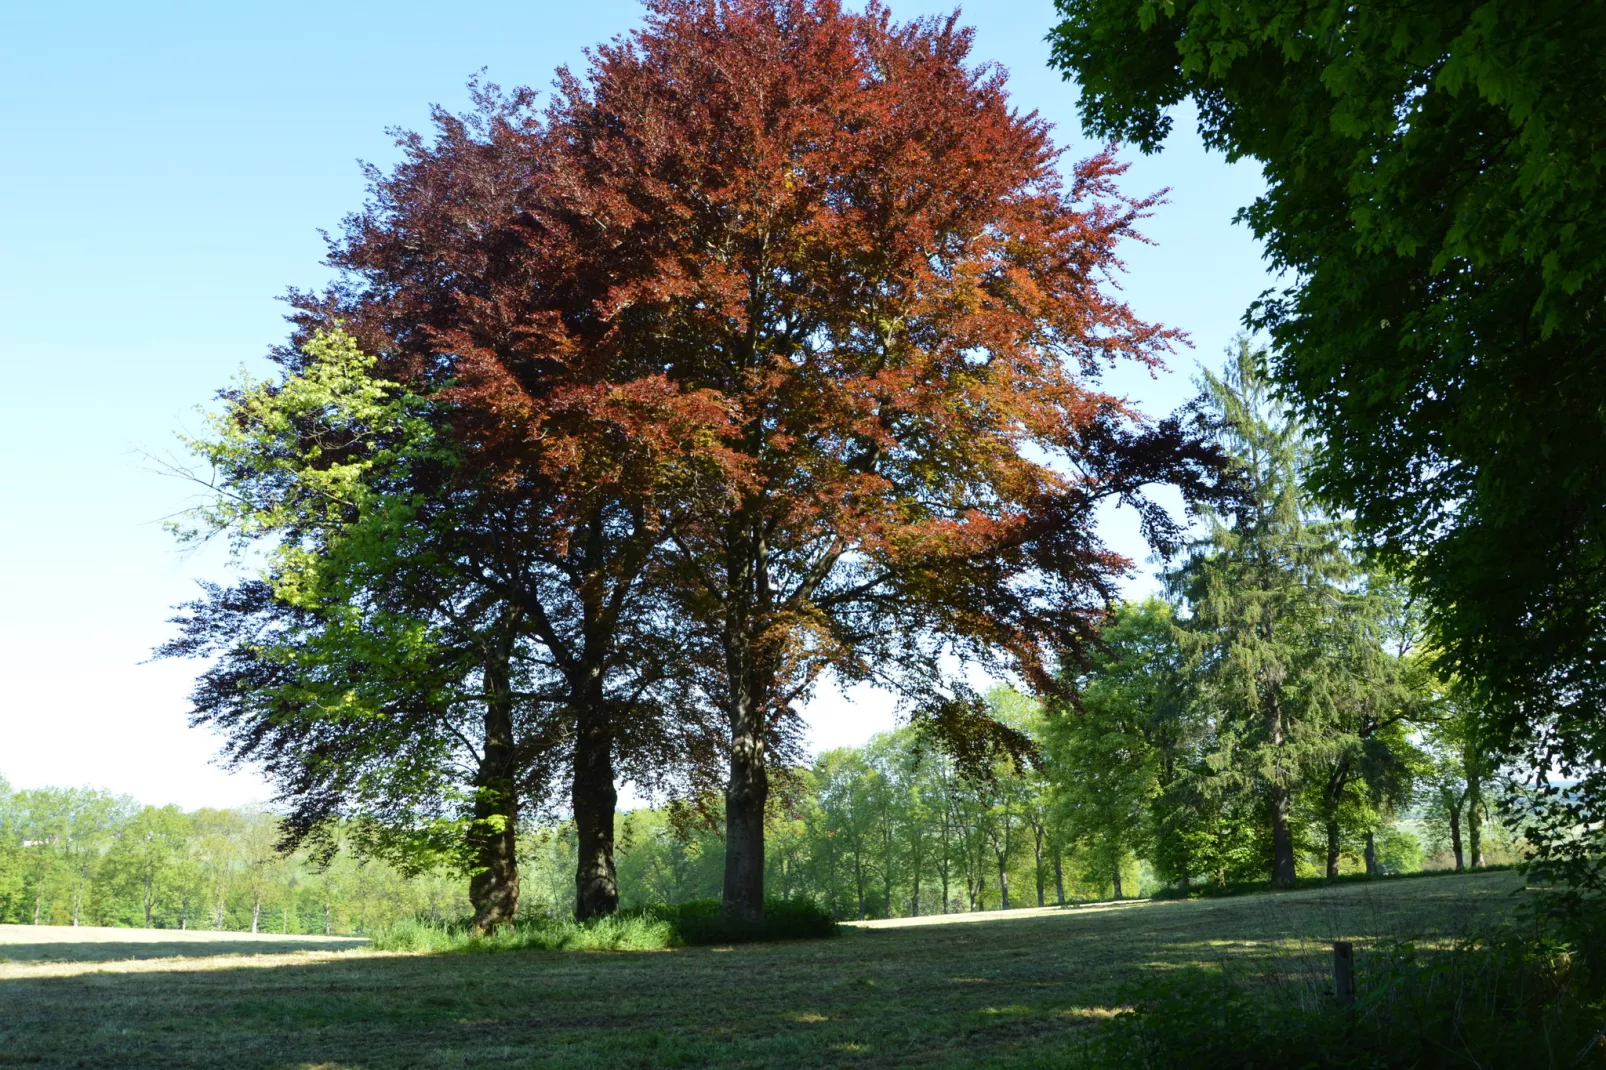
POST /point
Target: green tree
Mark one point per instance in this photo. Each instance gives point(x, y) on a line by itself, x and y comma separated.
point(1112, 757)
point(147, 860)
point(1434, 190)
point(1270, 610)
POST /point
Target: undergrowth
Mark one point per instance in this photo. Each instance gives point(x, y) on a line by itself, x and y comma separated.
point(1509, 999)
point(652, 928)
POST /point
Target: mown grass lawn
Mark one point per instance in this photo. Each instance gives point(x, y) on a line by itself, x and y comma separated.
point(1009, 991)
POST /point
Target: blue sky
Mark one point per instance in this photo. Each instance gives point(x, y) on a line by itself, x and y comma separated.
point(167, 169)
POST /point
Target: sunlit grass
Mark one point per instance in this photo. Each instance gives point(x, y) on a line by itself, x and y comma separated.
point(1015, 991)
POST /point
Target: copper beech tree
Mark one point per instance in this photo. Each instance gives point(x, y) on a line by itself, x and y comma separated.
point(776, 337)
point(840, 233)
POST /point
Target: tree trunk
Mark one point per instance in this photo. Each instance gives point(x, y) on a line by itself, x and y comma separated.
point(1371, 853)
point(1282, 839)
point(1037, 856)
point(1475, 819)
point(1455, 834)
point(1332, 847)
point(596, 884)
point(1003, 882)
point(1117, 874)
point(147, 900)
point(493, 890)
point(750, 681)
point(914, 899)
point(858, 882)
point(256, 913)
point(746, 794)
point(1059, 875)
point(1282, 834)
point(326, 929)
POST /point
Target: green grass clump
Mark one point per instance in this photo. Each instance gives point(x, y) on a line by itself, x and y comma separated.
point(653, 928)
point(622, 932)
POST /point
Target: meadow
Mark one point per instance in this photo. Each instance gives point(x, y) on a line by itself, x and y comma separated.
point(1003, 989)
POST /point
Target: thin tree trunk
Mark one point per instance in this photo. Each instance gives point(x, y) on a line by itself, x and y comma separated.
point(1117, 873)
point(493, 889)
point(596, 884)
point(1455, 834)
point(1332, 846)
point(858, 882)
point(1282, 835)
point(326, 929)
point(1037, 863)
point(1059, 874)
point(147, 900)
point(1371, 853)
point(256, 913)
point(1475, 819)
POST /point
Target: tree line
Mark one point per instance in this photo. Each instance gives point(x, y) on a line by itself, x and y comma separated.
point(79, 856)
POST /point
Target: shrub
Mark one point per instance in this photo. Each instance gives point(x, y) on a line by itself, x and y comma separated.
point(699, 922)
point(622, 932)
point(652, 928)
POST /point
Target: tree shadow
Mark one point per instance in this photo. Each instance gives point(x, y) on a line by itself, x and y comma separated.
point(115, 950)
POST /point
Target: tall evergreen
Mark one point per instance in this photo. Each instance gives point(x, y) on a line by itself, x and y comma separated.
point(1272, 613)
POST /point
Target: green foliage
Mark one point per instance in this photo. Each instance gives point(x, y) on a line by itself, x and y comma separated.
point(621, 932)
point(701, 922)
point(653, 928)
point(1434, 181)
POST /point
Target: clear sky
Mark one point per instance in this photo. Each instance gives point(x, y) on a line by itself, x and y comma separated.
point(167, 167)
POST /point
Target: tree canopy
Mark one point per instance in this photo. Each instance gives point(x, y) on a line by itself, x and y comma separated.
point(1434, 190)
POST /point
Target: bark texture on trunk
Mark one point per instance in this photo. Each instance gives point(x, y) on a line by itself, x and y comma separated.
point(1371, 853)
point(745, 798)
point(1282, 839)
point(596, 884)
point(747, 790)
point(1332, 846)
point(1475, 819)
point(493, 890)
point(1117, 875)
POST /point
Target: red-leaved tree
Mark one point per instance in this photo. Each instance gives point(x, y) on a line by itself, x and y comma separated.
point(835, 233)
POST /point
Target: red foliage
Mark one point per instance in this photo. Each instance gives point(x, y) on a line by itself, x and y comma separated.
point(800, 285)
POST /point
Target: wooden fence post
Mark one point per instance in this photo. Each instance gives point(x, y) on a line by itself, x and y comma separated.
point(1344, 973)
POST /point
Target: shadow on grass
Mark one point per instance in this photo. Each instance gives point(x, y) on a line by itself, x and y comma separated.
point(122, 950)
point(1014, 993)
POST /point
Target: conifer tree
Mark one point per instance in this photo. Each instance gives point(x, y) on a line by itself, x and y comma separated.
point(1270, 605)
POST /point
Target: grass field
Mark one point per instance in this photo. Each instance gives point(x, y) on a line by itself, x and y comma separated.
point(1006, 990)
